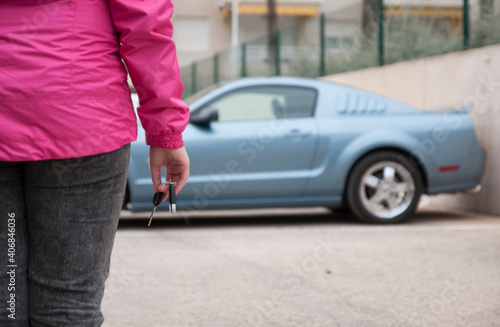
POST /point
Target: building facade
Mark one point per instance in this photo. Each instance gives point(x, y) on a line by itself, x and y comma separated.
point(203, 27)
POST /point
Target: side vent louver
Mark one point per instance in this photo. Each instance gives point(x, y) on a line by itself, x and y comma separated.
point(356, 103)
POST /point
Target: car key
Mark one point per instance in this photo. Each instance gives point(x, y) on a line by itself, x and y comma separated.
point(172, 207)
point(156, 202)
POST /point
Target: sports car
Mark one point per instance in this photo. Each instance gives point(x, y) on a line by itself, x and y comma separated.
point(294, 142)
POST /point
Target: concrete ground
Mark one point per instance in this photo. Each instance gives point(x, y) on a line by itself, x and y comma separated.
point(304, 267)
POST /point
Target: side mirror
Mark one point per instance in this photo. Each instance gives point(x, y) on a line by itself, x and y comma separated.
point(204, 116)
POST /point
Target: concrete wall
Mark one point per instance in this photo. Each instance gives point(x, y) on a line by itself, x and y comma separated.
point(451, 80)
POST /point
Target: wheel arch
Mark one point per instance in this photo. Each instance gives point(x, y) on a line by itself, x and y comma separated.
point(391, 148)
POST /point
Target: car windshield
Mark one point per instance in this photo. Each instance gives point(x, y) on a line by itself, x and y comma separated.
point(192, 98)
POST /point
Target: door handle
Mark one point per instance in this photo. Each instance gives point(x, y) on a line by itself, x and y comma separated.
point(297, 133)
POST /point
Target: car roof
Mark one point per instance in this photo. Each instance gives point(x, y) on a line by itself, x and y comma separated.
point(250, 81)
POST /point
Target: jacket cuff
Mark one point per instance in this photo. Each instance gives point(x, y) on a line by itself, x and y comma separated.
point(165, 141)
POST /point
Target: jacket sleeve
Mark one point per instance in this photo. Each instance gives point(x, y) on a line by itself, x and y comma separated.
point(147, 48)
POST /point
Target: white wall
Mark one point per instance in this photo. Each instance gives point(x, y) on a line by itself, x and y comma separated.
point(451, 80)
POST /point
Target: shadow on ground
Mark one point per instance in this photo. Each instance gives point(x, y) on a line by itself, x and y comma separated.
point(283, 217)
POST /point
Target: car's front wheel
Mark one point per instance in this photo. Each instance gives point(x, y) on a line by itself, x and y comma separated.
point(384, 187)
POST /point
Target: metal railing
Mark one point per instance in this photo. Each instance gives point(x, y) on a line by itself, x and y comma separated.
point(330, 44)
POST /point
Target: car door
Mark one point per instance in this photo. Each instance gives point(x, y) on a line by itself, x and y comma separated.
point(261, 146)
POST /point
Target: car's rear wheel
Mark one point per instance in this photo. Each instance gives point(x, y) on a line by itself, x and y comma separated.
point(384, 187)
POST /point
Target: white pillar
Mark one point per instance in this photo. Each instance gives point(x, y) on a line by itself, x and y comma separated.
point(234, 37)
point(234, 23)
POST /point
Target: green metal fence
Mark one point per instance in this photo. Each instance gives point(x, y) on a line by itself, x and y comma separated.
point(332, 43)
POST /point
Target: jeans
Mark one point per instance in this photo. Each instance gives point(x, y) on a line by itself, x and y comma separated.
point(58, 220)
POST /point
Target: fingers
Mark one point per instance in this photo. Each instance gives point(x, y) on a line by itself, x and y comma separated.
point(176, 162)
point(155, 177)
point(178, 169)
point(181, 180)
point(166, 191)
point(157, 184)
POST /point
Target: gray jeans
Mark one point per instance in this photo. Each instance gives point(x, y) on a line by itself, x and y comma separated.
point(58, 221)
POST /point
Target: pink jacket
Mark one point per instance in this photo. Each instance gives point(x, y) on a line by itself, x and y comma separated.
point(63, 86)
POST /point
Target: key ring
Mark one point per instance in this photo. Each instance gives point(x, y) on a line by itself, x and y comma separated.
point(172, 206)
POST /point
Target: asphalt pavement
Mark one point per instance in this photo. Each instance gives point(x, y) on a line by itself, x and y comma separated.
point(304, 267)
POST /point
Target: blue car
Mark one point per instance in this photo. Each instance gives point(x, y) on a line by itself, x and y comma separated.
point(294, 142)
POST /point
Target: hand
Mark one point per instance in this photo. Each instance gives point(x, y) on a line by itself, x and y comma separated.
point(177, 163)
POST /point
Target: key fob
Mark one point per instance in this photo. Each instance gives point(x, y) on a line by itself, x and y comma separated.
point(157, 198)
point(172, 206)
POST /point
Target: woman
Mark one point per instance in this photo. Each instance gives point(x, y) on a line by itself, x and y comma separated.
point(66, 122)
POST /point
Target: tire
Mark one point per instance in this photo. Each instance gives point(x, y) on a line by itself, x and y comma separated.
point(384, 188)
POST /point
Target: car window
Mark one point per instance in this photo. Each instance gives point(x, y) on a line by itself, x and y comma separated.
point(265, 102)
